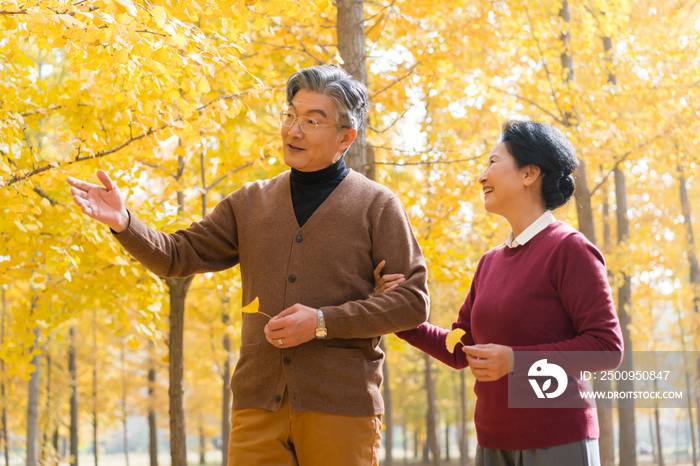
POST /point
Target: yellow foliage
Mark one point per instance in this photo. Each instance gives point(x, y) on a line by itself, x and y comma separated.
point(170, 97)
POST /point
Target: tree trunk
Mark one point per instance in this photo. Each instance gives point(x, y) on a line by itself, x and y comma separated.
point(95, 442)
point(177, 288)
point(33, 406)
point(586, 225)
point(351, 45)
point(659, 445)
point(226, 399)
point(432, 412)
point(567, 59)
point(152, 428)
point(693, 262)
point(72, 369)
point(202, 444)
point(426, 448)
point(226, 376)
point(582, 194)
point(124, 406)
point(45, 450)
point(54, 440)
point(628, 451)
point(688, 385)
point(690, 415)
point(606, 441)
point(5, 445)
point(416, 442)
point(607, 236)
point(405, 443)
point(653, 441)
point(463, 434)
point(388, 412)
point(447, 442)
point(692, 257)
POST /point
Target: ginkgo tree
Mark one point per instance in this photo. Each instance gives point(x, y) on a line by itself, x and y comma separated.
point(90, 85)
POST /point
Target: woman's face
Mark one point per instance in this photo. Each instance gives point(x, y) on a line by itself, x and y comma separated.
point(501, 181)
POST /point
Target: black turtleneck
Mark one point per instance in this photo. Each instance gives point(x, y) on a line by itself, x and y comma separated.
point(310, 189)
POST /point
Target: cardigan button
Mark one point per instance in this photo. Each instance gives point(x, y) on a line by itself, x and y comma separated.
point(287, 360)
point(299, 239)
point(292, 278)
point(278, 398)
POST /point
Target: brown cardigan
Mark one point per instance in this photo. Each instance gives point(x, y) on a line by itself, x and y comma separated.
point(328, 264)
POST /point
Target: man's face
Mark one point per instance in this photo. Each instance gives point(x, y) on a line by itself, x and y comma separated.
point(312, 152)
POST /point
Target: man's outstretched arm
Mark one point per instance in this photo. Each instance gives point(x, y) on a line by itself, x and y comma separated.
point(206, 246)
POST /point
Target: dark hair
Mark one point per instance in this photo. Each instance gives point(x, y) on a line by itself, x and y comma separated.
point(543, 145)
point(350, 95)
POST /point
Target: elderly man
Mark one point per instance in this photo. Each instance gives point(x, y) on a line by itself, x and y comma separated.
point(306, 389)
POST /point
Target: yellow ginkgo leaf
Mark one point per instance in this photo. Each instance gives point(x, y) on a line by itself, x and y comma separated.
point(166, 358)
point(121, 57)
point(203, 85)
point(133, 342)
point(454, 337)
point(253, 308)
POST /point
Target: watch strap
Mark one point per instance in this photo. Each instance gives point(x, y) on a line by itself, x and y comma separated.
point(321, 331)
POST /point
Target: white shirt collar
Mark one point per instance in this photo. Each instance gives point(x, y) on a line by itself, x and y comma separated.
point(530, 232)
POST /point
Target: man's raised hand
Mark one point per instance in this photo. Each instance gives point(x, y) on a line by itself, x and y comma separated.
point(103, 204)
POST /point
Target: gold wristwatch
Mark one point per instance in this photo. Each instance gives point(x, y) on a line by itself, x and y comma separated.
point(321, 331)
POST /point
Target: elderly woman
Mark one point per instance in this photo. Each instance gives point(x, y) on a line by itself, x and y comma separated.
point(544, 289)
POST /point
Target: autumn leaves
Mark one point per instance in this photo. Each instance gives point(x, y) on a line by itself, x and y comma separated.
point(254, 308)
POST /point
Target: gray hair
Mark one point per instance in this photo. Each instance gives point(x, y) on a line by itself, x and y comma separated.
point(350, 95)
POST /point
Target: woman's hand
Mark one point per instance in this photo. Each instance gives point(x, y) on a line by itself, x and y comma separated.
point(387, 282)
point(489, 362)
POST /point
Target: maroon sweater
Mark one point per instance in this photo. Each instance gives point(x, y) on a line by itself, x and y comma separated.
point(550, 294)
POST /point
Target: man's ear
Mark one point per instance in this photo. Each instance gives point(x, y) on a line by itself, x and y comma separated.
point(530, 174)
point(347, 136)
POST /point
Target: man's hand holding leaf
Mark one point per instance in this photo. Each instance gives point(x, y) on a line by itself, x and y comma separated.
point(293, 326)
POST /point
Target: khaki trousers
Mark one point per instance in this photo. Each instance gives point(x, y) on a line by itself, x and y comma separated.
point(307, 438)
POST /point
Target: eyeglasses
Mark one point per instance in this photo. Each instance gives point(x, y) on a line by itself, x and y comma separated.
point(307, 125)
